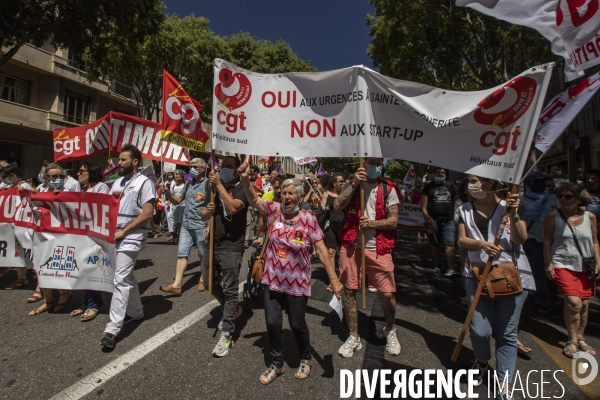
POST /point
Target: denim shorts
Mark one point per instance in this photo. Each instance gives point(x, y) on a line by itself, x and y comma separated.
point(445, 232)
point(189, 237)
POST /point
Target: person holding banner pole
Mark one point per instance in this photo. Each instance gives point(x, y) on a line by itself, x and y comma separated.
point(228, 233)
point(55, 176)
point(193, 229)
point(378, 225)
point(137, 194)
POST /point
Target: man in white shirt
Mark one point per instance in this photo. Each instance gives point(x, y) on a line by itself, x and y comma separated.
point(137, 194)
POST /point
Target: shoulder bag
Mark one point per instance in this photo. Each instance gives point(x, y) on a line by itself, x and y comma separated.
point(588, 264)
point(258, 267)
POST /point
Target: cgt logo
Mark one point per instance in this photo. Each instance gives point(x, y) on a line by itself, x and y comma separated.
point(233, 91)
point(64, 144)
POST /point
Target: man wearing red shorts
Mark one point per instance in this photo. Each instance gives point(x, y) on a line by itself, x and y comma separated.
point(382, 203)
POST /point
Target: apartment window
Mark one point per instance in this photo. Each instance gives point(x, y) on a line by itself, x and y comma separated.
point(14, 89)
point(77, 107)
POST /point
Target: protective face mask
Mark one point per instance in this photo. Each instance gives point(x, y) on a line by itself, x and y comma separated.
point(439, 179)
point(475, 191)
point(294, 210)
point(373, 171)
point(56, 183)
point(41, 177)
point(226, 174)
point(194, 172)
point(169, 177)
point(7, 183)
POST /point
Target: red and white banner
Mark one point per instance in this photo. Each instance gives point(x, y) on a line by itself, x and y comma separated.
point(72, 237)
point(110, 133)
point(572, 26)
point(181, 123)
point(266, 159)
point(305, 160)
point(410, 176)
point(359, 112)
point(562, 110)
point(411, 218)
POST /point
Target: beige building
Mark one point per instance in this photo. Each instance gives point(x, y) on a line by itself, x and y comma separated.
point(42, 89)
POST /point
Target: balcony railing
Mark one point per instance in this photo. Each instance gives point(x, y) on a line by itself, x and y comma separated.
point(121, 89)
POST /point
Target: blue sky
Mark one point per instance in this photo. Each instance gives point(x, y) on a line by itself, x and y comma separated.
point(331, 33)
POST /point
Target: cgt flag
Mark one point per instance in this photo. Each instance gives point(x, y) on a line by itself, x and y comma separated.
point(266, 159)
point(181, 123)
point(562, 110)
point(410, 175)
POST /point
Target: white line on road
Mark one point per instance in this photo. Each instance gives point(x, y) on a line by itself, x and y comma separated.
point(97, 378)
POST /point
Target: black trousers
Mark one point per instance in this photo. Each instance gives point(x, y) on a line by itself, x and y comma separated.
point(296, 307)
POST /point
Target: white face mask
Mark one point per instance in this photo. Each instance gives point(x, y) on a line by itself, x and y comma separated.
point(475, 191)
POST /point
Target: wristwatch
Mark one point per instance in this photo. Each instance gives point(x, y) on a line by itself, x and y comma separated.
point(515, 218)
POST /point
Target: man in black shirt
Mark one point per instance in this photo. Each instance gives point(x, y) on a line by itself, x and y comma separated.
point(437, 205)
point(229, 208)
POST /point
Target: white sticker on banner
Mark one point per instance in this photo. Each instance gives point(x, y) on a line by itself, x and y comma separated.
point(170, 167)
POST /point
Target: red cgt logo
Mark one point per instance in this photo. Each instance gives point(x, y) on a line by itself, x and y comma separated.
point(228, 83)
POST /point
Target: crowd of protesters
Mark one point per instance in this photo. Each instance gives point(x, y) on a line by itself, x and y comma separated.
point(549, 239)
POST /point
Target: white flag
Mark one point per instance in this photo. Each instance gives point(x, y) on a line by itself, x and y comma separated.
point(410, 175)
point(562, 110)
point(305, 160)
point(571, 26)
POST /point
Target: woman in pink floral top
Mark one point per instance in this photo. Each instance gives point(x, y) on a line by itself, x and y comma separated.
point(288, 270)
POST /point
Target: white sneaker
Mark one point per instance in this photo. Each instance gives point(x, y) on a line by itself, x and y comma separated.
point(352, 344)
point(372, 289)
point(393, 345)
point(449, 273)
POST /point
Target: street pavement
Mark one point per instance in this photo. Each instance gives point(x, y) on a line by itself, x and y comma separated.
point(168, 354)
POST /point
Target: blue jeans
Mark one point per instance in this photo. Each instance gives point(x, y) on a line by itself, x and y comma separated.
point(500, 318)
point(189, 237)
point(543, 288)
point(445, 232)
point(93, 299)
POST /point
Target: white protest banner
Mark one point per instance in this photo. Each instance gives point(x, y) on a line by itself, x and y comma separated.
point(74, 240)
point(359, 112)
point(410, 176)
point(411, 218)
point(170, 167)
point(16, 228)
point(562, 110)
point(305, 160)
point(572, 31)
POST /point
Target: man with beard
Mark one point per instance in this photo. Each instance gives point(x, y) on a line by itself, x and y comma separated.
point(229, 210)
point(137, 194)
point(192, 228)
point(592, 184)
point(535, 204)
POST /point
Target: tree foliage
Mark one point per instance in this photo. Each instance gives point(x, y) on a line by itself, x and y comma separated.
point(92, 25)
point(439, 44)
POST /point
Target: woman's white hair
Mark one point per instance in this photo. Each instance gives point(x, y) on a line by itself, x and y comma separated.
point(54, 166)
point(297, 183)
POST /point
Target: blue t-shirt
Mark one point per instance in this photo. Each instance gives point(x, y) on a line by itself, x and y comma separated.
point(194, 193)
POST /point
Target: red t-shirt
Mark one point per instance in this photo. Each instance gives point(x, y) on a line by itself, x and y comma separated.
point(287, 263)
point(258, 182)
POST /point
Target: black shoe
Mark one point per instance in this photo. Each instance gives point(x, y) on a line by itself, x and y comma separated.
point(108, 340)
point(482, 370)
point(129, 319)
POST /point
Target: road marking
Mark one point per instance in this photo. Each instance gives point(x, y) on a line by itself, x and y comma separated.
point(97, 378)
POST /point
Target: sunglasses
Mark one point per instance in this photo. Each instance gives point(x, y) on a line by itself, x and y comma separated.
point(340, 181)
point(566, 196)
point(60, 176)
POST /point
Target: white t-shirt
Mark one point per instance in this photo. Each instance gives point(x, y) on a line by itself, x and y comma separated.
point(371, 196)
point(71, 185)
point(100, 187)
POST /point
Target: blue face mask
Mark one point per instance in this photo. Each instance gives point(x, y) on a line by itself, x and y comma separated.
point(194, 172)
point(7, 183)
point(41, 177)
point(294, 210)
point(439, 179)
point(56, 183)
point(373, 171)
point(226, 174)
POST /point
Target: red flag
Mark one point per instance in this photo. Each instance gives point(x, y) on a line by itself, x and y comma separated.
point(249, 161)
point(181, 123)
point(266, 159)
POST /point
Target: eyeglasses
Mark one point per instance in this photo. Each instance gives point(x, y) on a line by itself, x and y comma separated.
point(60, 176)
point(566, 196)
point(81, 171)
point(340, 181)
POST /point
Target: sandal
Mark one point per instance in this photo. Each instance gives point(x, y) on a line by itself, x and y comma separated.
point(270, 374)
point(43, 308)
point(18, 284)
point(89, 314)
point(568, 352)
point(521, 348)
point(170, 238)
point(302, 369)
point(36, 296)
point(155, 235)
point(61, 304)
point(79, 310)
point(587, 348)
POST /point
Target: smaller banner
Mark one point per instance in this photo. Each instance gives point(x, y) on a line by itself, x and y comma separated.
point(74, 240)
point(17, 221)
point(181, 123)
point(562, 110)
point(411, 218)
point(410, 175)
point(305, 160)
point(169, 167)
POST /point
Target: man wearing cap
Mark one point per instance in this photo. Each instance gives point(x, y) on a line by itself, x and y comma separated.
point(535, 204)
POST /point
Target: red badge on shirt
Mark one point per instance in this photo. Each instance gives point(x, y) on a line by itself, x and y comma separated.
point(282, 251)
point(298, 237)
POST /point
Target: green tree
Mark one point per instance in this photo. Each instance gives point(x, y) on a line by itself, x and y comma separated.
point(342, 165)
point(90, 25)
point(436, 43)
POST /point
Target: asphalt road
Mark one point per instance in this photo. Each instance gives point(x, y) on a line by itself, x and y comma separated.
point(168, 354)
